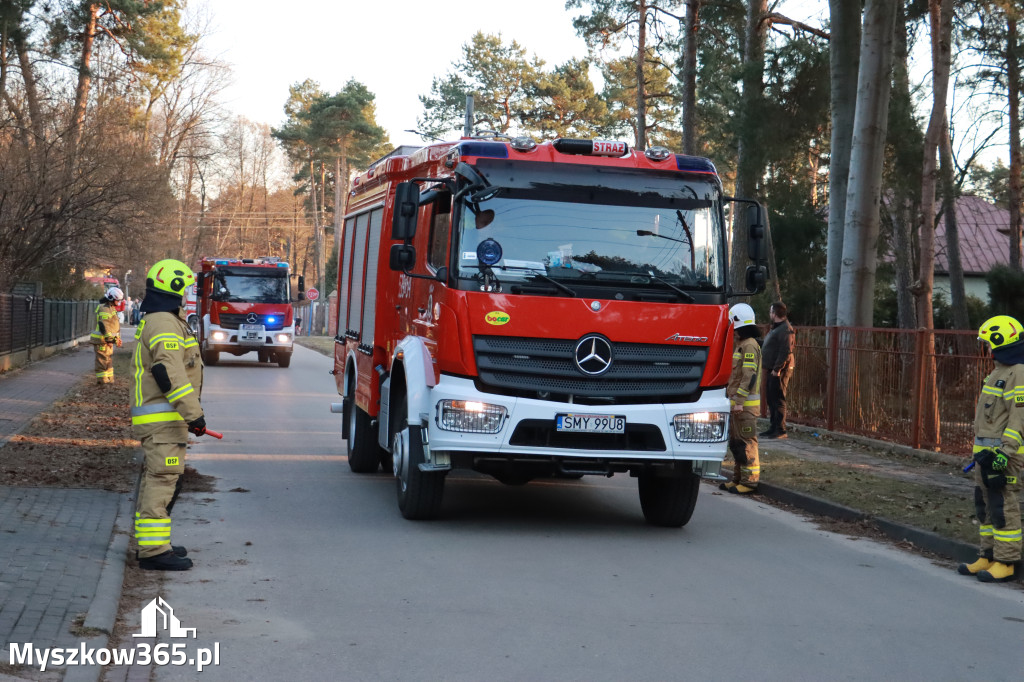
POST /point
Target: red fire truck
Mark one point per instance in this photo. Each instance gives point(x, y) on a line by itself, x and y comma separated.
point(245, 305)
point(532, 310)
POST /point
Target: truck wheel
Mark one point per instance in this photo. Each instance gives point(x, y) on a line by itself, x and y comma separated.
point(419, 492)
point(211, 357)
point(362, 442)
point(668, 501)
point(284, 359)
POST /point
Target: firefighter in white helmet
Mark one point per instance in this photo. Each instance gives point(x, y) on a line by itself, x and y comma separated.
point(744, 396)
point(165, 408)
point(106, 335)
point(999, 453)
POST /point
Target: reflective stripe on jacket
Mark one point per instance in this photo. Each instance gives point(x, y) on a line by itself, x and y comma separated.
point(999, 415)
point(745, 381)
point(165, 339)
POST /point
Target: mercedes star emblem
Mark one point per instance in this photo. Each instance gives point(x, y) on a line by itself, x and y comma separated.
point(252, 318)
point(593, 355)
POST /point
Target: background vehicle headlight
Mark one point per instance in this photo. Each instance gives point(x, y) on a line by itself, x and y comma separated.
point(470, 416)
point(701, 427)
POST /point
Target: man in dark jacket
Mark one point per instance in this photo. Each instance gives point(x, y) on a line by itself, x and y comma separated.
point(777, 363)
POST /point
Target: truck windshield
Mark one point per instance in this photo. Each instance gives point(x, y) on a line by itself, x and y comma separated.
point(262, 285)
point(587, 237)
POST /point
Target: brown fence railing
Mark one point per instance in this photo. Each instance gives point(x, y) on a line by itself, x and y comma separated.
point(33, 321)
point(875, 383)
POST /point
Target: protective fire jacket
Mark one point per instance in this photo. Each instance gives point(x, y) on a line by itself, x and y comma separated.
point(167, 378)
point(108, 327)
point(745, 381)
point(1000, 412)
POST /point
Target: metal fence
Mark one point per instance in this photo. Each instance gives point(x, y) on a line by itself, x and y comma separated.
point(312, 318)
point(876, 383)
point(33, 321)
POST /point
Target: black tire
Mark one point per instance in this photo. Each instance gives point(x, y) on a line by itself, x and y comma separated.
point(419, 492)
point(211, 357)
point(284, 359)
point(668, 501)
point(362, 442)
point(513, 479)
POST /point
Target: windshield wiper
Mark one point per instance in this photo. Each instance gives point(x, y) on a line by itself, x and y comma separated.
point(682, 294)
point(540, 275)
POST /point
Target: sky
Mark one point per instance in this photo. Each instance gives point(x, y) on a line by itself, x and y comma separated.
point(394, 47)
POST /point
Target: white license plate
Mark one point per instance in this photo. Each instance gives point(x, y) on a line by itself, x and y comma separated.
point(590, 423)
point(251, 333)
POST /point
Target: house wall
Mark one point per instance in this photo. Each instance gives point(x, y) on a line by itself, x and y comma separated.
point(973, 286)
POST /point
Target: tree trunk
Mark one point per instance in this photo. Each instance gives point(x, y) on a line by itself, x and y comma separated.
point(1016, 165)
point(957, 293)
point(860, 245)
point(903, 204)
point(690, 77)
point(844, 51)
point(641, 95)
point(940, 15)
point(84, 73)
point(748, 162)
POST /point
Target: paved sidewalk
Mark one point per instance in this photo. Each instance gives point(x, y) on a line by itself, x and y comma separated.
point(27, 391)
point(59, 558)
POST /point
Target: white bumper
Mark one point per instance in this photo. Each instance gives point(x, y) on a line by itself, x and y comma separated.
point(520, 409)
point(221, 339)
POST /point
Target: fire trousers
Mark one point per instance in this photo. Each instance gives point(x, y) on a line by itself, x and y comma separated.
point(164, 465)
point(999, 515)
point(104, 363)
point(743, 445)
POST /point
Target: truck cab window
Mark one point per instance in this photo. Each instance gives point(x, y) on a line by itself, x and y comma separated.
point(440, 230)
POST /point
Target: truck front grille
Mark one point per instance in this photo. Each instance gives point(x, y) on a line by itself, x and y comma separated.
point(233, 320)
point(639, 372)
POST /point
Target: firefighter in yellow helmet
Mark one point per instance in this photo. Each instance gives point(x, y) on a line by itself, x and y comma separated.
point(106, 335)
point(167, 382)
point(999, 453)
point(744, 393)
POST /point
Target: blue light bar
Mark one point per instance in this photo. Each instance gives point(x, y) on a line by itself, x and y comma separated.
point(494, 150)
point(282, 265)
point(271, 319)
point(697, 164)
point(220, 262)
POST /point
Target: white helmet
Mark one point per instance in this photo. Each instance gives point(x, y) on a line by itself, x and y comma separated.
point(741, 315)
point(114, 294)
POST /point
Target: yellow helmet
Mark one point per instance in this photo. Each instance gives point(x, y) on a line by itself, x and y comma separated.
point(999, 331)
point(171, 276)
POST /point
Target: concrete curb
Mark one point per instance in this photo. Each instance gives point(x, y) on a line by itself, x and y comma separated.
point(103, 610)
point(926, 540)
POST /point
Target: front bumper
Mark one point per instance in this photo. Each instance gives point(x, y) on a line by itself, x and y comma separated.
point(528, 428)
point(227, 340)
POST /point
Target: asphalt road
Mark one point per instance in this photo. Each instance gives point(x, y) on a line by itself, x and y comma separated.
point(312, 573)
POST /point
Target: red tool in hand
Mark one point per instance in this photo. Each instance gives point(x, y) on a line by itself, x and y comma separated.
point(208, 432)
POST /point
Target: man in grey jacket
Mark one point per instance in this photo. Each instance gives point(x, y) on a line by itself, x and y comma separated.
point(777, 364)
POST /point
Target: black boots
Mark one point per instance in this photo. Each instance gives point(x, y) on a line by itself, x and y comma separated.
point(168, 561)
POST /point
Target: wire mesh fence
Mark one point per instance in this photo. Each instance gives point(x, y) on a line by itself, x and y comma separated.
point(911, 387)
point(33, 321)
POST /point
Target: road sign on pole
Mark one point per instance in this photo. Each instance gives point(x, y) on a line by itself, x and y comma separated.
point(312, 294)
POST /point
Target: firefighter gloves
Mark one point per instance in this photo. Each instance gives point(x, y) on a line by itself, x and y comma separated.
point(197, 426)
point(999, 460)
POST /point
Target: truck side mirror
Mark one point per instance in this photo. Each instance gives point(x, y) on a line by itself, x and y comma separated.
point(402, 257)
point(756, 278)
point(755, 233)
point(407, 205)
point(302, 288)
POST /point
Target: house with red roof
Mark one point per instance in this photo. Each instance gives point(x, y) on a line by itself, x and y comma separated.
point(984, 231)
